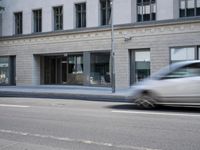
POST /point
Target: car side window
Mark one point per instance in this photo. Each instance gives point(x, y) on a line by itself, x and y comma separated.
point(191, 70)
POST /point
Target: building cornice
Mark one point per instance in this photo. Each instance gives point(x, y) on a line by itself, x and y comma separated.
point(137, 25)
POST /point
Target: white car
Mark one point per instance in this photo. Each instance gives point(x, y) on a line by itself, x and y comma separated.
point(177, 84)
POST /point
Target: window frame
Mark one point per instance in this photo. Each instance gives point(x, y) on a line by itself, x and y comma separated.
point(196, 56)
point(107, 9)
point(132, 62)
point(186, 7)
point(60, 16)
point(18, 29)
point(37, 28)
point(151, 4)
point(83, 14)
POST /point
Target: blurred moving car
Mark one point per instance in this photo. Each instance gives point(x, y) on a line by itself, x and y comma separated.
point(177, 84)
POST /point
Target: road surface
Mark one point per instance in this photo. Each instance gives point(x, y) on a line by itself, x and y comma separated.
point(54, 124)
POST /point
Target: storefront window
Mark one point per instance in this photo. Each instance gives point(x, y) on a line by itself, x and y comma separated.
point(100, 72)
point(75, 69)
point(181, 54)
point(4, 70)
point(140, 65)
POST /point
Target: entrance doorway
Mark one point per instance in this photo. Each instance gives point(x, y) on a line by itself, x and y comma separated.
point(53, 70)
point(63, 70)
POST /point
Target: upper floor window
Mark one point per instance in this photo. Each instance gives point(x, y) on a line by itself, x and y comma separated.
point(18, 23)
point(37, 20)
point(80, 15)
point(105, 12)
point(189, 8)
point(146, 10)
point(58, 18)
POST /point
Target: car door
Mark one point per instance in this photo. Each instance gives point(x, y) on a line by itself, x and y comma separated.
point(181, 85)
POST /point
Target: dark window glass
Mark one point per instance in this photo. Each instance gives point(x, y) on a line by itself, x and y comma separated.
point(58, 18)
point(18, 23)
point(198, 8)
point(189, 8)
point(80, 15)
point(75, 69)
point(37, 20)
point(140, 65)
point(105, 12)
point(100, 70)
point(146, 10)
point(182, 8)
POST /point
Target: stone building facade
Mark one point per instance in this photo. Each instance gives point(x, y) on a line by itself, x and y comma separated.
point(145, 41)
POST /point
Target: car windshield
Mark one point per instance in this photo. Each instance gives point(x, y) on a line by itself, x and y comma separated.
point(163, 71)
point(178, 70)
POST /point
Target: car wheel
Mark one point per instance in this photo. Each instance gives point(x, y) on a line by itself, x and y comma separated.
point(145, 100)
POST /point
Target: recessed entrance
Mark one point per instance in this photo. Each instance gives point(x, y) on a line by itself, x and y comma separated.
point(63, 69)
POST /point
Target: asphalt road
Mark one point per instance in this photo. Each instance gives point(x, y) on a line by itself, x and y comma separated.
point(50, 124)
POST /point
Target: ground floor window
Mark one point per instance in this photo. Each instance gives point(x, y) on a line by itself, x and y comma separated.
point(4, 71)
point(100, 69)
point(184, 53)
point(75, 69)
point(140, 65)
point(86, 68)
point(7, 70)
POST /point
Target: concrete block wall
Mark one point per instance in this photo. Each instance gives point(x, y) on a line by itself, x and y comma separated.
point(158, 39)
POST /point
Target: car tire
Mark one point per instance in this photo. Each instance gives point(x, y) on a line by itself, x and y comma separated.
point(145, 100)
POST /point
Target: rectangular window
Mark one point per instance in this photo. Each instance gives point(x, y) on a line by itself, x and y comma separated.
point(199, 53)
point(140, 65)
point(58, 18)
point(182, 54)
point(18, 23)
point(0, 24)
point(198, 8)
point(189, 8)
point(7, 70)
point(80, 15)
point(146, 10)
point(75, 69)
point(37, 20)
point(4, 71)
point(100, 69)
point(105, 12)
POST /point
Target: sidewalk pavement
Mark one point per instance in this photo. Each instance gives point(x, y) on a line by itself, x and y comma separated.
point(65, 92)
